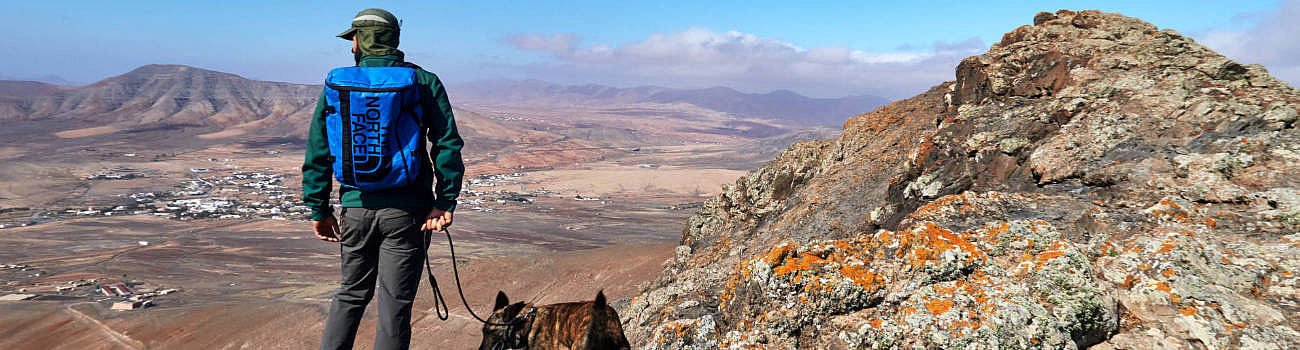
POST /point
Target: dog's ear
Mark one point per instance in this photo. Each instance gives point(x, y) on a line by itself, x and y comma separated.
point(599, 304)
point(502, 301)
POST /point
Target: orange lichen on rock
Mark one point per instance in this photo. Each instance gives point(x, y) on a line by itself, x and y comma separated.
point(929, 241)
point(729, 291)
point(799, 262)
point(938, 306)
point(1106, 248)
point(942, 202)
point(1174, 298)
point(777, 254)
point(675, 329)
point(875, 323)
point(1168, 272)
point(863, 277)
point(883, 238)
point(1165, 248)
point(907, 311)
point(1187, 311)
point(1162, 286)
point(1048, 255)
point(958, 324)
point(1059, 245)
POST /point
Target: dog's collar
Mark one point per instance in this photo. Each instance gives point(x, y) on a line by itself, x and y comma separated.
point(525, 323)
point(524, 317)
point(530, 315)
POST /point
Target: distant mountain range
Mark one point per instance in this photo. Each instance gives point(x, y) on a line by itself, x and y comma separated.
point(780, 105)
point(48, 79)
point(177, 94)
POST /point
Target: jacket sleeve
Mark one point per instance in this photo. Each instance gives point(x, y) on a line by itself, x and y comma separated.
point(447, 164)
point(317, 170)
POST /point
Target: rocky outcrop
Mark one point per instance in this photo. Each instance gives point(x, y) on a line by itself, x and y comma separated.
point(1090, 181)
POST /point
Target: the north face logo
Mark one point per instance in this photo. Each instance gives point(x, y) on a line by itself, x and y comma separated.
point(368, 142)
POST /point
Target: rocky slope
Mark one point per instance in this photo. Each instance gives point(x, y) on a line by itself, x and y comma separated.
point(1090, 181)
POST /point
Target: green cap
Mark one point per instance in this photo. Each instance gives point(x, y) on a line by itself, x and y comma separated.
point(370, 18)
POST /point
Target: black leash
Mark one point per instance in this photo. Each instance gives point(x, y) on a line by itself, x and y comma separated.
point(438, 300)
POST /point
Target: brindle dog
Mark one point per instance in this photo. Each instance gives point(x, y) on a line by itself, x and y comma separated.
point(586, 325)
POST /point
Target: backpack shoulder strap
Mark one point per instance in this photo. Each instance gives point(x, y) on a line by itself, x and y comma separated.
point(424, 100)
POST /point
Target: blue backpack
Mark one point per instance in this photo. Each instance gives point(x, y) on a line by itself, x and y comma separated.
point(373, 125)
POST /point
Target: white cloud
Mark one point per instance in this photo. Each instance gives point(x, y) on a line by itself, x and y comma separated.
point(1271, 41)
point(700, 57)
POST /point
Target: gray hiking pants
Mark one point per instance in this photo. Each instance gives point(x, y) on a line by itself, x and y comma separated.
point(377, 244)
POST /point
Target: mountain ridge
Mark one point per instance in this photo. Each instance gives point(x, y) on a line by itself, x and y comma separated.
point(779, 104)
point(180, 94)
point(47, 79)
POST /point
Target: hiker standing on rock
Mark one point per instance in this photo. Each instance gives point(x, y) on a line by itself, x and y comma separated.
point(370, 131)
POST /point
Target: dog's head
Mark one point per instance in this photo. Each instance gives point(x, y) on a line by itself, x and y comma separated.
point(507, 326)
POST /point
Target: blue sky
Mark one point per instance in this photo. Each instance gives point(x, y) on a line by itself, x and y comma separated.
point(900, 47)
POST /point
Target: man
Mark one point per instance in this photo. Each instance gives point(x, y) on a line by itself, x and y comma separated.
point(381, 232)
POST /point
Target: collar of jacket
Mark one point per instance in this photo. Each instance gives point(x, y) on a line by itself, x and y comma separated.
point(380, 61)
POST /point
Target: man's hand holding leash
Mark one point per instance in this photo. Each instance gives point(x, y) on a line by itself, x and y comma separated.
point(437, 220)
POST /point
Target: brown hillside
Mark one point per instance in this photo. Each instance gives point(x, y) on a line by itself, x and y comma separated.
point(171, 94)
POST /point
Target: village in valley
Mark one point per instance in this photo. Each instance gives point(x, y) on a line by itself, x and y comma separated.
point(233, 193)
point(217, 193)
point(122, 295)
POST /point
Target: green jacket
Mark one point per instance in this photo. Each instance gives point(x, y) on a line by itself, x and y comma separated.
point(447, 167)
